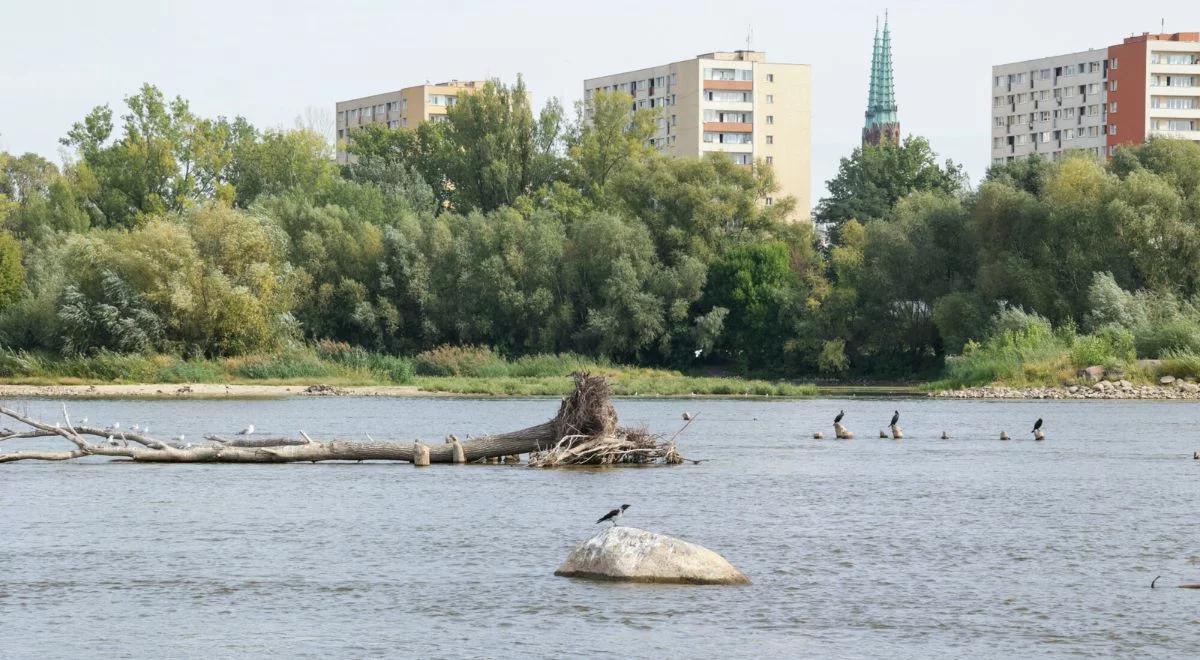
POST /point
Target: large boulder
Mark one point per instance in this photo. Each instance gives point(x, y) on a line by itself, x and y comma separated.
point(635, 555)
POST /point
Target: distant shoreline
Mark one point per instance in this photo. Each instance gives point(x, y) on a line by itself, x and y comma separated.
point(426, 387)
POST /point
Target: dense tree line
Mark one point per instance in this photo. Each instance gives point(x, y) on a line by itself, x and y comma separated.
point(534, 233)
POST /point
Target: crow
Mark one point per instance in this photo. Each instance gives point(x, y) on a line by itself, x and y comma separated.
point(613, 515)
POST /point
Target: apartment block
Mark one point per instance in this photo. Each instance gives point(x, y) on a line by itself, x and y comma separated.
point(1098, 100)
point(732, 103)
point(403, 108)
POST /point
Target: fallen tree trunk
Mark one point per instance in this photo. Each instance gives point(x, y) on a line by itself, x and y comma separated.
point(584, 432)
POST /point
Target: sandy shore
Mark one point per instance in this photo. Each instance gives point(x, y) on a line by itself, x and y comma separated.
point(202, 391)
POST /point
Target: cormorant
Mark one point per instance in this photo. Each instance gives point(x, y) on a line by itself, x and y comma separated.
point(613, 515)
point(895, 418)
point(840, 415)
point(1037, 425)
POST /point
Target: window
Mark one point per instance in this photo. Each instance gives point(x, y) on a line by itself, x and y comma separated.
point(770, 77)
point(770, 139)
point(1112, 86)
point(1112, 129)
point(998, 121)
point(770, 98)
point(727, 96)
point(770, 119)
point(1175, 102)
point(770, 201)
point(341, 133)
point(770, 160)
point(1114, 64)
point(1112, 107)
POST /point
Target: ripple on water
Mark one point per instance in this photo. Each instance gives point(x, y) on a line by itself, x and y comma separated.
point(966, 547)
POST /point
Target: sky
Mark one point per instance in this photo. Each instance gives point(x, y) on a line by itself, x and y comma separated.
point(273, 62)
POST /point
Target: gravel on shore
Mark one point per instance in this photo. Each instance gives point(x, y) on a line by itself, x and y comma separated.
point(1105, 389)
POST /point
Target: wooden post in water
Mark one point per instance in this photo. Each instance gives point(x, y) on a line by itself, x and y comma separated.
point(1038, 435)
point(841, 433)
point(420, 455)
point(1004, 435)
point(897, 432)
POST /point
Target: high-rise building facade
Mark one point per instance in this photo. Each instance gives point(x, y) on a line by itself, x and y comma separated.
point(1098, 100)
point(883, 116)
point(733, 103)
point(403, 108)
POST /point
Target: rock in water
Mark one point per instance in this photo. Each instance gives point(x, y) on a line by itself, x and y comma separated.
point(628, 554)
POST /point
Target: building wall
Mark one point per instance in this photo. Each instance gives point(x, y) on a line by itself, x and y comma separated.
point(1165, 120)
point(1048, 106)
point(786, 143)
point(1127, 88)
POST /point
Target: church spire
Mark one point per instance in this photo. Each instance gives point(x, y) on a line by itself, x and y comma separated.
point(883, 122)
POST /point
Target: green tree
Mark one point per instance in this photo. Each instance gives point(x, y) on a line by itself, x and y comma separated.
point(870, 182)
point(12, 273)
point(606, 138)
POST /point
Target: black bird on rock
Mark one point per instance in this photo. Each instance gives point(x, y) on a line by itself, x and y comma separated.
point(895, 418)
point(1037, 425)
point(840, 415)
point(613, 515)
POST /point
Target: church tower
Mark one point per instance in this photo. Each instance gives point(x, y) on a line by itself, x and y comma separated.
point(883, 121)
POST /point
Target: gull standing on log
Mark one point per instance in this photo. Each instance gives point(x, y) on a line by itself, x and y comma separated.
point(249, 430)
point(613, 515)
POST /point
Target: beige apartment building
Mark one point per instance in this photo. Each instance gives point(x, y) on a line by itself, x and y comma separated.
point(403, 108)
point(733, 103)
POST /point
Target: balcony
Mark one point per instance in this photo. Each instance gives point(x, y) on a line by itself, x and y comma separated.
point(728, 127)
point(732, 85)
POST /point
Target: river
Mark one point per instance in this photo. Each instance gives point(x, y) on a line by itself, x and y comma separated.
point(911, 549)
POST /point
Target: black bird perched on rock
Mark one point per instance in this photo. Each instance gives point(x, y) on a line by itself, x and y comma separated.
point(895, 418)
point(613, 515)
point(840, 415)
point(1037, 425)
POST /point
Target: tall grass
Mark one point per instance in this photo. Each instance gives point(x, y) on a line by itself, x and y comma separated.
point(463, 370)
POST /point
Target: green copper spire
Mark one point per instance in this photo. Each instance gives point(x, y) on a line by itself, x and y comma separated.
point(883, 122)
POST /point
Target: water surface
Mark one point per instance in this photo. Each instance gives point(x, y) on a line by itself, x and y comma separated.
point(960, 547)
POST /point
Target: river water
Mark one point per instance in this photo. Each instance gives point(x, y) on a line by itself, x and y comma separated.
point(961, 547)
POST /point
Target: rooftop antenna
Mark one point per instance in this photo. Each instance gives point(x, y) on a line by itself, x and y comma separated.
point(1162, 26)
point(749, 36)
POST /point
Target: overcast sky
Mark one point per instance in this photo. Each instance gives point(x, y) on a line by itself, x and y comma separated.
point(271, 61)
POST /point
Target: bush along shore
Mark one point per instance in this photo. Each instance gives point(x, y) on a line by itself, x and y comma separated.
point(332, 368)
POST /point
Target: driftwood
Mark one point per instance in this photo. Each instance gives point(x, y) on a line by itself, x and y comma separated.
point(584, 432)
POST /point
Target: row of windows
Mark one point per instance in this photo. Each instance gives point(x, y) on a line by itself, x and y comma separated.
point(640, 85)
point(1175, 58)
point(1175, 102)
point(1051, 136)
point(1160, 80)
point(1097, 110)
point(1174, 125)
point(1051, 74)
point(1050, 94)
point(729, 74)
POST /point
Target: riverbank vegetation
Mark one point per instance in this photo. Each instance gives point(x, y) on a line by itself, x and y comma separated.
point(172, 247)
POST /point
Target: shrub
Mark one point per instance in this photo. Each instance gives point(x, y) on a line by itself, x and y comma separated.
point(1171, 336)
point(460, 361)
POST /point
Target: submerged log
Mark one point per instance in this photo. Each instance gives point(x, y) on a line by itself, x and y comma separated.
point(584, 431)
point(841, 433)
point(897, 432)
point(1039, 435)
